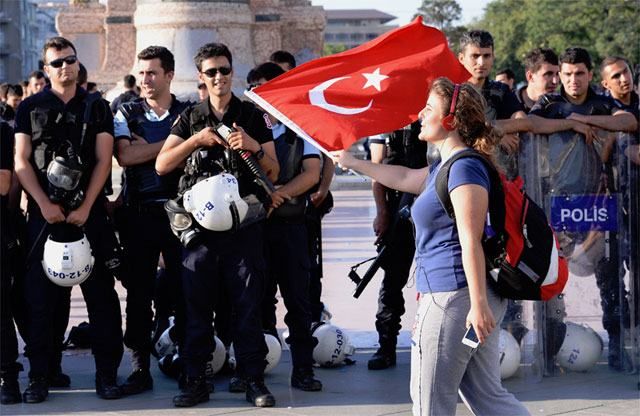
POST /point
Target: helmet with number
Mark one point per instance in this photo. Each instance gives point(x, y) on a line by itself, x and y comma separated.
point(581, 348)
point(67, 258)
point(333, 345)
point(215, 203)
point(166, 344)
point(273, 355)
point(510, 354)
point(218, 356)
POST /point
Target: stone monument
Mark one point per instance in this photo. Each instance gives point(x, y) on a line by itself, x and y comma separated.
point(108, 36)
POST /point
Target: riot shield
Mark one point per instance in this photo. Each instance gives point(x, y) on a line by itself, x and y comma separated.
point(587, 190)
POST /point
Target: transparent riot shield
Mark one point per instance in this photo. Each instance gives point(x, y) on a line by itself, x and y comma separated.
point(586, 190)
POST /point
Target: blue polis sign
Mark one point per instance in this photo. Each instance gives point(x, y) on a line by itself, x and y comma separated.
point(584, 212)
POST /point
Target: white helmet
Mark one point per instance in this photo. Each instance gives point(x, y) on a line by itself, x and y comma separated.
point(166, 344)
point(273, 355)
point(510, 354)
point(215, 203)
point(581, 348)
point(217, 358)
point(67, 258)
point(333, 345)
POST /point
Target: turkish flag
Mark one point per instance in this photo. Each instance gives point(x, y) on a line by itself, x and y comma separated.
point(377, 87)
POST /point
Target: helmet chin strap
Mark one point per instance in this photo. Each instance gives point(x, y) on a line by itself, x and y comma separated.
point(235, 215)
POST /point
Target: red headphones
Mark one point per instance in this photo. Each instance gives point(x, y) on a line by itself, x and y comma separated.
point(447, 121)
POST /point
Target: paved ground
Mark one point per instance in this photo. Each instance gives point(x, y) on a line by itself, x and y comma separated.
point(349, 390)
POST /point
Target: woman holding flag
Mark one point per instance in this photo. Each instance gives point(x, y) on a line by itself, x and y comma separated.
point(450, 265)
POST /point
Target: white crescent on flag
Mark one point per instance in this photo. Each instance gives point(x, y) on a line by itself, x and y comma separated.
point(317, 98)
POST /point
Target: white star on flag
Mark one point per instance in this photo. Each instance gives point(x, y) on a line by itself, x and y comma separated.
point(374, 79)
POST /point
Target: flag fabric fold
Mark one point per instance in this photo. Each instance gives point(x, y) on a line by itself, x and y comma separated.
point(377, 87)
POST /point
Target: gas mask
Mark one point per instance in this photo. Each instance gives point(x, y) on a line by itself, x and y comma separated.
point(64, 173)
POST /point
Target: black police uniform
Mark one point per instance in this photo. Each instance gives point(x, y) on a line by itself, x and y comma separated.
point(288, 261)
point(50, 122)
point(145, 233)
point(523, 98)
point(556, 106)
point(405, 149)
point(233, 259)
point(501, 104)
point(9, 367)
point(313, 219)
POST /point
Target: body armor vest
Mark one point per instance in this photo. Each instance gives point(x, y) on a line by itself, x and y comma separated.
point(53, 131)
point(289, 150)
point(143, 184)
point(204, 163)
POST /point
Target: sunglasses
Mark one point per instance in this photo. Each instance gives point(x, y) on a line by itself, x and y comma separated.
point(211, 72)
point(69, 60)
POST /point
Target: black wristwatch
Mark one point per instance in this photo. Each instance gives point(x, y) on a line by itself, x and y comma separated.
point(259, 154)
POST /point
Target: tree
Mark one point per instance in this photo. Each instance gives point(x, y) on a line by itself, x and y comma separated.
point(330, 49)
point(440, 13)
point(603, 27)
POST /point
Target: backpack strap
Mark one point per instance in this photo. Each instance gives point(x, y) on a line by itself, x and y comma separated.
point(442, 178)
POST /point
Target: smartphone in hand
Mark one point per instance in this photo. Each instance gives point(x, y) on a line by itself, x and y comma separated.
point(471, 338)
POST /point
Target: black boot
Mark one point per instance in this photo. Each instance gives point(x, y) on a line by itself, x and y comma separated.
point(383, 358)
point(138, 381)
point(259, 394)
point(59, 379)
point(37, 391)
point(10, 389)
point(106, 386)
point(237, 384)
point(193, 390)
point(303, 379)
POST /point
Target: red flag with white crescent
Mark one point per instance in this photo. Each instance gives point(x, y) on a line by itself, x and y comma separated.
point(377, 87)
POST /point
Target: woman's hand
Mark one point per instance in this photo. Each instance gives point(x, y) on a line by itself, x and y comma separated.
point(344, 158)
point(481, 317)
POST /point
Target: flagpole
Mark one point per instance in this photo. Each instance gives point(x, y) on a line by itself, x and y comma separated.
point(266, 106)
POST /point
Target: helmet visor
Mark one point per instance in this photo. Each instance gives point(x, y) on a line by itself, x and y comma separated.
point(62, 176)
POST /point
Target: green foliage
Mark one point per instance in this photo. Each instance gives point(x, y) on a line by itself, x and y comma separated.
point(442, 14)
point(439, 13)
point(329, 49)
point(603, 27)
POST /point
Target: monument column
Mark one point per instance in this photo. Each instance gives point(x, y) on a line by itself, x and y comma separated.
point(183, 26)
point(120, 44)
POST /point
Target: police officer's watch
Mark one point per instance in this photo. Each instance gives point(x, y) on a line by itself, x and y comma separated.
point(259, 154)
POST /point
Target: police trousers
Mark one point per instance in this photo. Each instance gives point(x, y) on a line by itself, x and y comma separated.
point(145, 233)
point(288, 268)
point(47, 305)
point(235, 263)
point(399, 254)
point(8, 339)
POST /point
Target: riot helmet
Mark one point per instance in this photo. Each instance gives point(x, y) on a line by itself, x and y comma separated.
point(216, 205)
point(67, 258)
point(333, 346)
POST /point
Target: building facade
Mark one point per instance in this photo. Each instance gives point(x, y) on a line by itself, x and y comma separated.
point(351, 28)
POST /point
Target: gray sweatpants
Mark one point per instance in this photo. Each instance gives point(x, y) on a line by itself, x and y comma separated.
point(442, 366)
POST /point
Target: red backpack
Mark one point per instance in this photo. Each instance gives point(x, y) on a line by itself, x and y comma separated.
point(520, 247)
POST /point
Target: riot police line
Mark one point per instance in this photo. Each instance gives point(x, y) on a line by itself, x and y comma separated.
point(211, 199)
point(221, 197)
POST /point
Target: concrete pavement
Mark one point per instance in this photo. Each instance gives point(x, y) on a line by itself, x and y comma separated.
point(348, 390)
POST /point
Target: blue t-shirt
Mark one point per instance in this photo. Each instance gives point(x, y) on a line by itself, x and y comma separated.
point(438, 252)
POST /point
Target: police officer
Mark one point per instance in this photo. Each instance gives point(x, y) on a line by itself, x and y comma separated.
point(54, 123)
point(541, 72)
point(141, 127)
point(286, 240)
point(577, 107)
point(402, 147)
point(234, 257)
point(9, 367)
point(503, 109)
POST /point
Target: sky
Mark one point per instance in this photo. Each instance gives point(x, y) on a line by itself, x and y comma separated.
point(403, 9)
